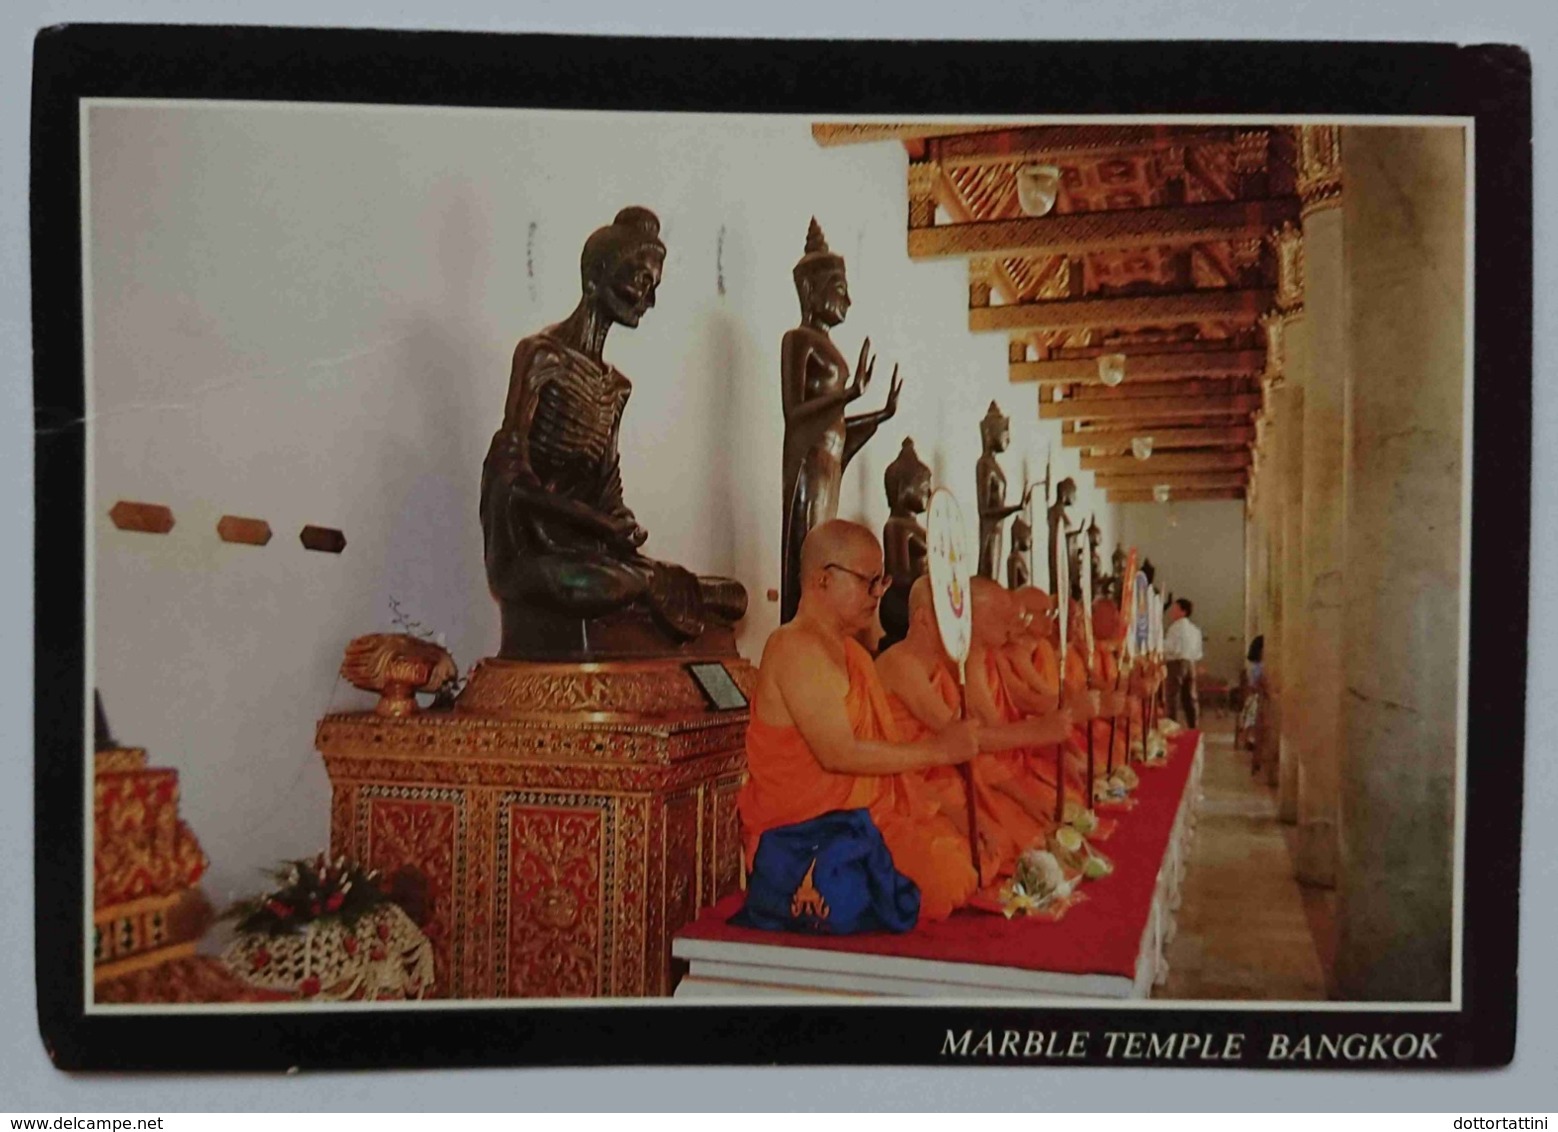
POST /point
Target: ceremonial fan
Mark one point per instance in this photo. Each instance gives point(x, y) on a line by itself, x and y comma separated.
point(1155, 650)
point(1127, 611)
point(1142, 600)
point(1063, 607)
point(951, 600)
point(1088, 662)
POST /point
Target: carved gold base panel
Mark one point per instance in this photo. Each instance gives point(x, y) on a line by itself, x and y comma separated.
point(566, 820)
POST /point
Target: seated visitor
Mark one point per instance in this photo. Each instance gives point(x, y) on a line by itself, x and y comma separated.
point(822, 736)
point(1251, 698)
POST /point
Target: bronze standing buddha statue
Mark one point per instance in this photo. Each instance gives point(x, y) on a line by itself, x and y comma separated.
point(907, 481)
point(815, 385)
point(1017, 573)
point(1065, 496)
point(995, 434)
point(561, 545)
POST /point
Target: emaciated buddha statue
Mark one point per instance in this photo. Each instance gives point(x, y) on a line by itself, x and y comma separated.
point(904, 541)
point(562, 547)
point(815, 385)
point(995, 434)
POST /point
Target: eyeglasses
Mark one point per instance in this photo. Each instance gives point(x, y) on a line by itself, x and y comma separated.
point(876, 585)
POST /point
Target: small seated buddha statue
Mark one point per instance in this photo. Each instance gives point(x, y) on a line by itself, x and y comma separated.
point(561, 545)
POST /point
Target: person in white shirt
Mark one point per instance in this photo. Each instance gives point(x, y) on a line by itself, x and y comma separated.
point(1182, 651)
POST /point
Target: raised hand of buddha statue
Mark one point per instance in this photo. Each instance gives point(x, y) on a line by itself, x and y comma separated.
point(894, 387)
point(863, 370)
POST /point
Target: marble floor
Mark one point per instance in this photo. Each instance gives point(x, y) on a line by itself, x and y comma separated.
point(1247, 929)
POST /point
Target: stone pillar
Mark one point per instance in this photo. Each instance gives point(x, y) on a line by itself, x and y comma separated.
point(1325, 402)
point(1254, 537)
point(1405, 274)
point(1287, 347)
point(1270, 581)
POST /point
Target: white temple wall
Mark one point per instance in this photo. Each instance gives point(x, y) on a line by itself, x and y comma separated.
point(1198, 550)
point(306, 315)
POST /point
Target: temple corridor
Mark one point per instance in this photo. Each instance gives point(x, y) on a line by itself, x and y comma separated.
point(1247, 928)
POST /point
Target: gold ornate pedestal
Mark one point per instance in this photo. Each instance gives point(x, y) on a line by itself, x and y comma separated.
point(566, 819)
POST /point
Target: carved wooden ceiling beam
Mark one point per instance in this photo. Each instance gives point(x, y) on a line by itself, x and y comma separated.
point(1038, 143)
point(1144, 367)
point(1162, 463)
point(1149, 408)
point(1126, 311)
point(1113, 482)
point(1246, 338)
point(1119, 439)
point(1076, 233)
point(1184, 387)
point(856, 133)
point(1187, 495)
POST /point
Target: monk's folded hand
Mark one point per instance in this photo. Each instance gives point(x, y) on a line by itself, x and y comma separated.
point(958, 742)
point(1080, 705)
point(1057, 727)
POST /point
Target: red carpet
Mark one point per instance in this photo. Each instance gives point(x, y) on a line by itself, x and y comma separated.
point(1100, 935)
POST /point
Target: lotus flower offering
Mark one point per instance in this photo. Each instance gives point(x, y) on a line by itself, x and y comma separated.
point(1076, 855)
point(1038, 885)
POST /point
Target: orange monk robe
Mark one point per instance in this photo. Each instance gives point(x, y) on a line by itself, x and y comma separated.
point(1106, 672)
point(998, 847)
point(1042, 762)
point(1020, 770)
point(1076, 685)
point(786, 784)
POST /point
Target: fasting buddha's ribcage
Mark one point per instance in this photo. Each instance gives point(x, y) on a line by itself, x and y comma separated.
point(572, 434)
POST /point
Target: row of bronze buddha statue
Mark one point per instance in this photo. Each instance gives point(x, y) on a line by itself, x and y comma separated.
point(564, 551)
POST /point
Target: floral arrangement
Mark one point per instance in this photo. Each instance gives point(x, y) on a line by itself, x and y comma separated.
point(1073, 851)
point(449, 691)
point(1037, 883)
point(1083, 821)
point(1111, 789)
point(308, 891)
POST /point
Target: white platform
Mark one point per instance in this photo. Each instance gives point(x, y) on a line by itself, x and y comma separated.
point(752, 970)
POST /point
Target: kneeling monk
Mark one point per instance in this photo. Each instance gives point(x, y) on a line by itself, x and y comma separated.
point(822, 736)
point(925, 698)
point(1023, 767)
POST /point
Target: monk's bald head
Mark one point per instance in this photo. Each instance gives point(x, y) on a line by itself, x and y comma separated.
point(1034, 601)
point(840, 542)
point(920, 599)
point(992, 607)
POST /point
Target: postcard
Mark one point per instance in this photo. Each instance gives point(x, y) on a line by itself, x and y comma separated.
point(566, 550)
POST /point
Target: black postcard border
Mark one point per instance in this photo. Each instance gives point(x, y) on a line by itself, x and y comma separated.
point(1490, 83)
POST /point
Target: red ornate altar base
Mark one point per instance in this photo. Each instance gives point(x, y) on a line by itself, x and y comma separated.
point(146, 909)
point(566, 819)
